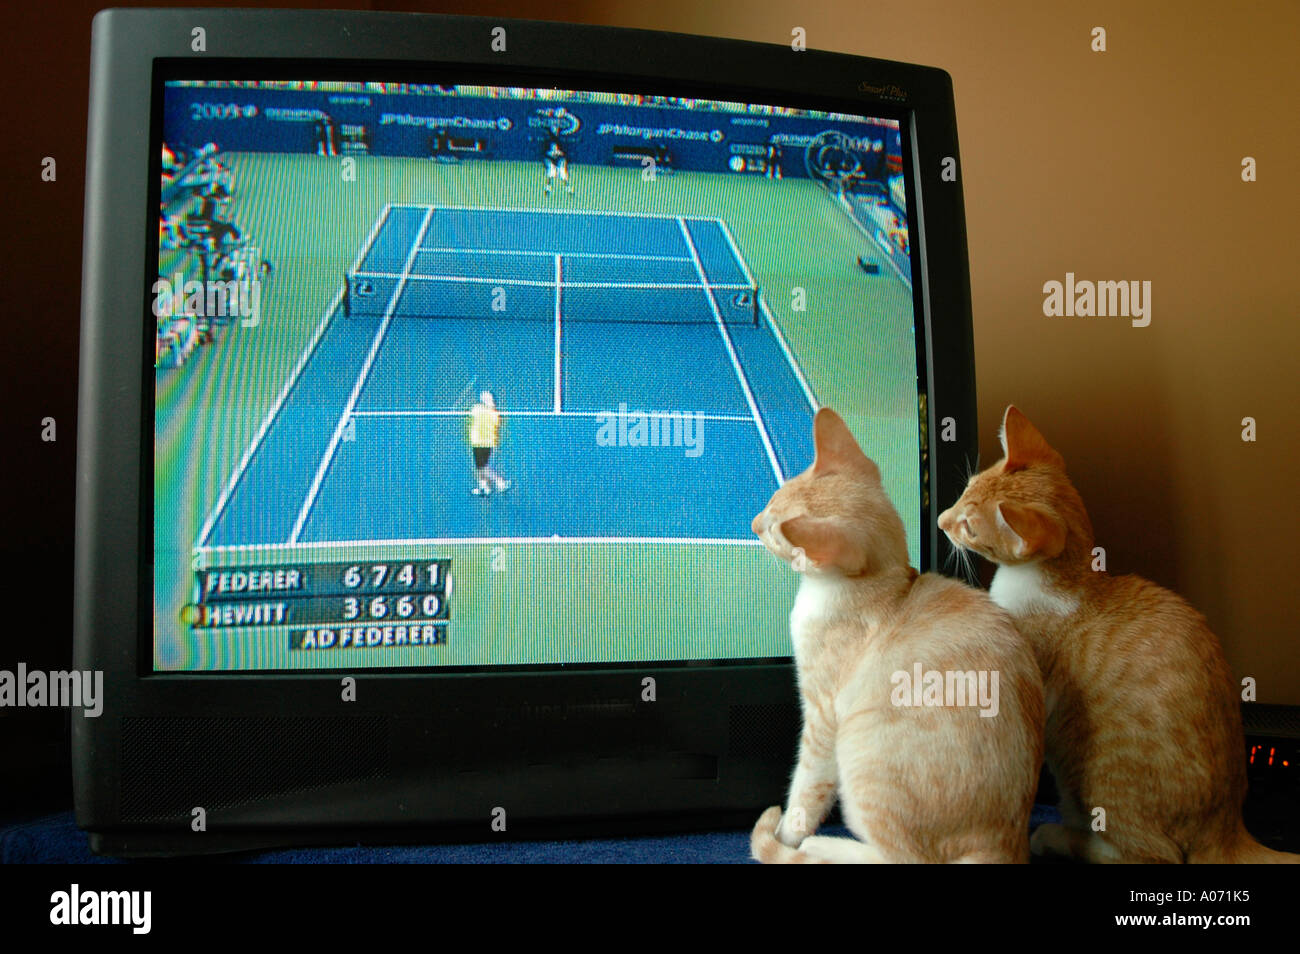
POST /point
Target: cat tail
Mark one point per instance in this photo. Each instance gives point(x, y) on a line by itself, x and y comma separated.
point(1257, 854)
point(814, 850)
point(1245, 851)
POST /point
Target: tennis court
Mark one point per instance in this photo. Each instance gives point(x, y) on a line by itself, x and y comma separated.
point(570, 319)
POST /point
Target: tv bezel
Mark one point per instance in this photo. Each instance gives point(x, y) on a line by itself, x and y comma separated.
point(130, 51)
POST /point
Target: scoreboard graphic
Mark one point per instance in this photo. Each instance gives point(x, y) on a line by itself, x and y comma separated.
point(328, 605)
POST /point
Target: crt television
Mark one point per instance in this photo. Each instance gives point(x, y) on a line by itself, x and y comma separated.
point(432, 371)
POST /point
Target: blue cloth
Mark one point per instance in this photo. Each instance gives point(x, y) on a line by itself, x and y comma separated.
point(56, 839)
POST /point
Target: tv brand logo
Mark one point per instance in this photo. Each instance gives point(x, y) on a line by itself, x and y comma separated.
point(883, 90)
point(76, 907)
point(1087, 299)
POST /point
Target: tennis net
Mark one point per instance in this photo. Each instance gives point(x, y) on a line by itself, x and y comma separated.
point(371, 294)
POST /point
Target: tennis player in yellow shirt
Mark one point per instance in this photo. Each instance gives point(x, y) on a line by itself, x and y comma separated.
point(484, 433)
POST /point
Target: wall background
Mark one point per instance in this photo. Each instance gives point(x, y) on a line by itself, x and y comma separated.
point(1123, 165)
point(1115, 165)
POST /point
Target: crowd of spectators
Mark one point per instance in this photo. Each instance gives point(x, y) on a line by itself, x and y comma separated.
point(195, 224)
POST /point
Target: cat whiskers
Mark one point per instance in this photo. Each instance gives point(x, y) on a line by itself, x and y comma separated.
point(960, 559)
point(967, 566)
point(771, 552)
point(952, 558)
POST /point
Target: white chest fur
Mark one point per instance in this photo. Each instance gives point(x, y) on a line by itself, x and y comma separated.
point(817, 599)
point(1023, 589)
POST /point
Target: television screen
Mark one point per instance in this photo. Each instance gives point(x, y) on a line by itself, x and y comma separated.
point(466, 376)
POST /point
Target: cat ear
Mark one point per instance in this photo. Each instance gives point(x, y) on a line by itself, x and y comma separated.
point(836, 447)
point(1023, 445)
point(823, 543)
point(1037, 532)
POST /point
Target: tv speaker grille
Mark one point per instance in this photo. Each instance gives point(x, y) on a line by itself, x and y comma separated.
point(1270, 719)
point(763, 730)
point(172, 765)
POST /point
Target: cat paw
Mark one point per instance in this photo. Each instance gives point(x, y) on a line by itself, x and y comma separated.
point(1049, 839)
point(791, 832)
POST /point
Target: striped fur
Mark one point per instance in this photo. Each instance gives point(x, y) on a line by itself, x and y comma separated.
point(1143, 718)
point(929, 783)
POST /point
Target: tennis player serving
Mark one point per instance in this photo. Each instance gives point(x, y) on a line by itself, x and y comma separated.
point(484, 433)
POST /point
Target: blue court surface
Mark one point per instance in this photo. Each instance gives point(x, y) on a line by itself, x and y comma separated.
point(577, 322)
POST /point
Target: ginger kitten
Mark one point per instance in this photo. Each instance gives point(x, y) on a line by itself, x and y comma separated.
point(1143, 718)
point(923, 774)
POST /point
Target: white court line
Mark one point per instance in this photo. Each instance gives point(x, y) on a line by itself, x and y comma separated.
point(523, 251)
point(476, 280)
point(362, 375)
point(735, 251)
point(594, 212)
point(847, 209)
point(771, 323)
point(789, 356)
point(229, 489)
point(370, 238)
point(559, 277)
point(444, 541)
point(731, 350)
point(452, 412)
